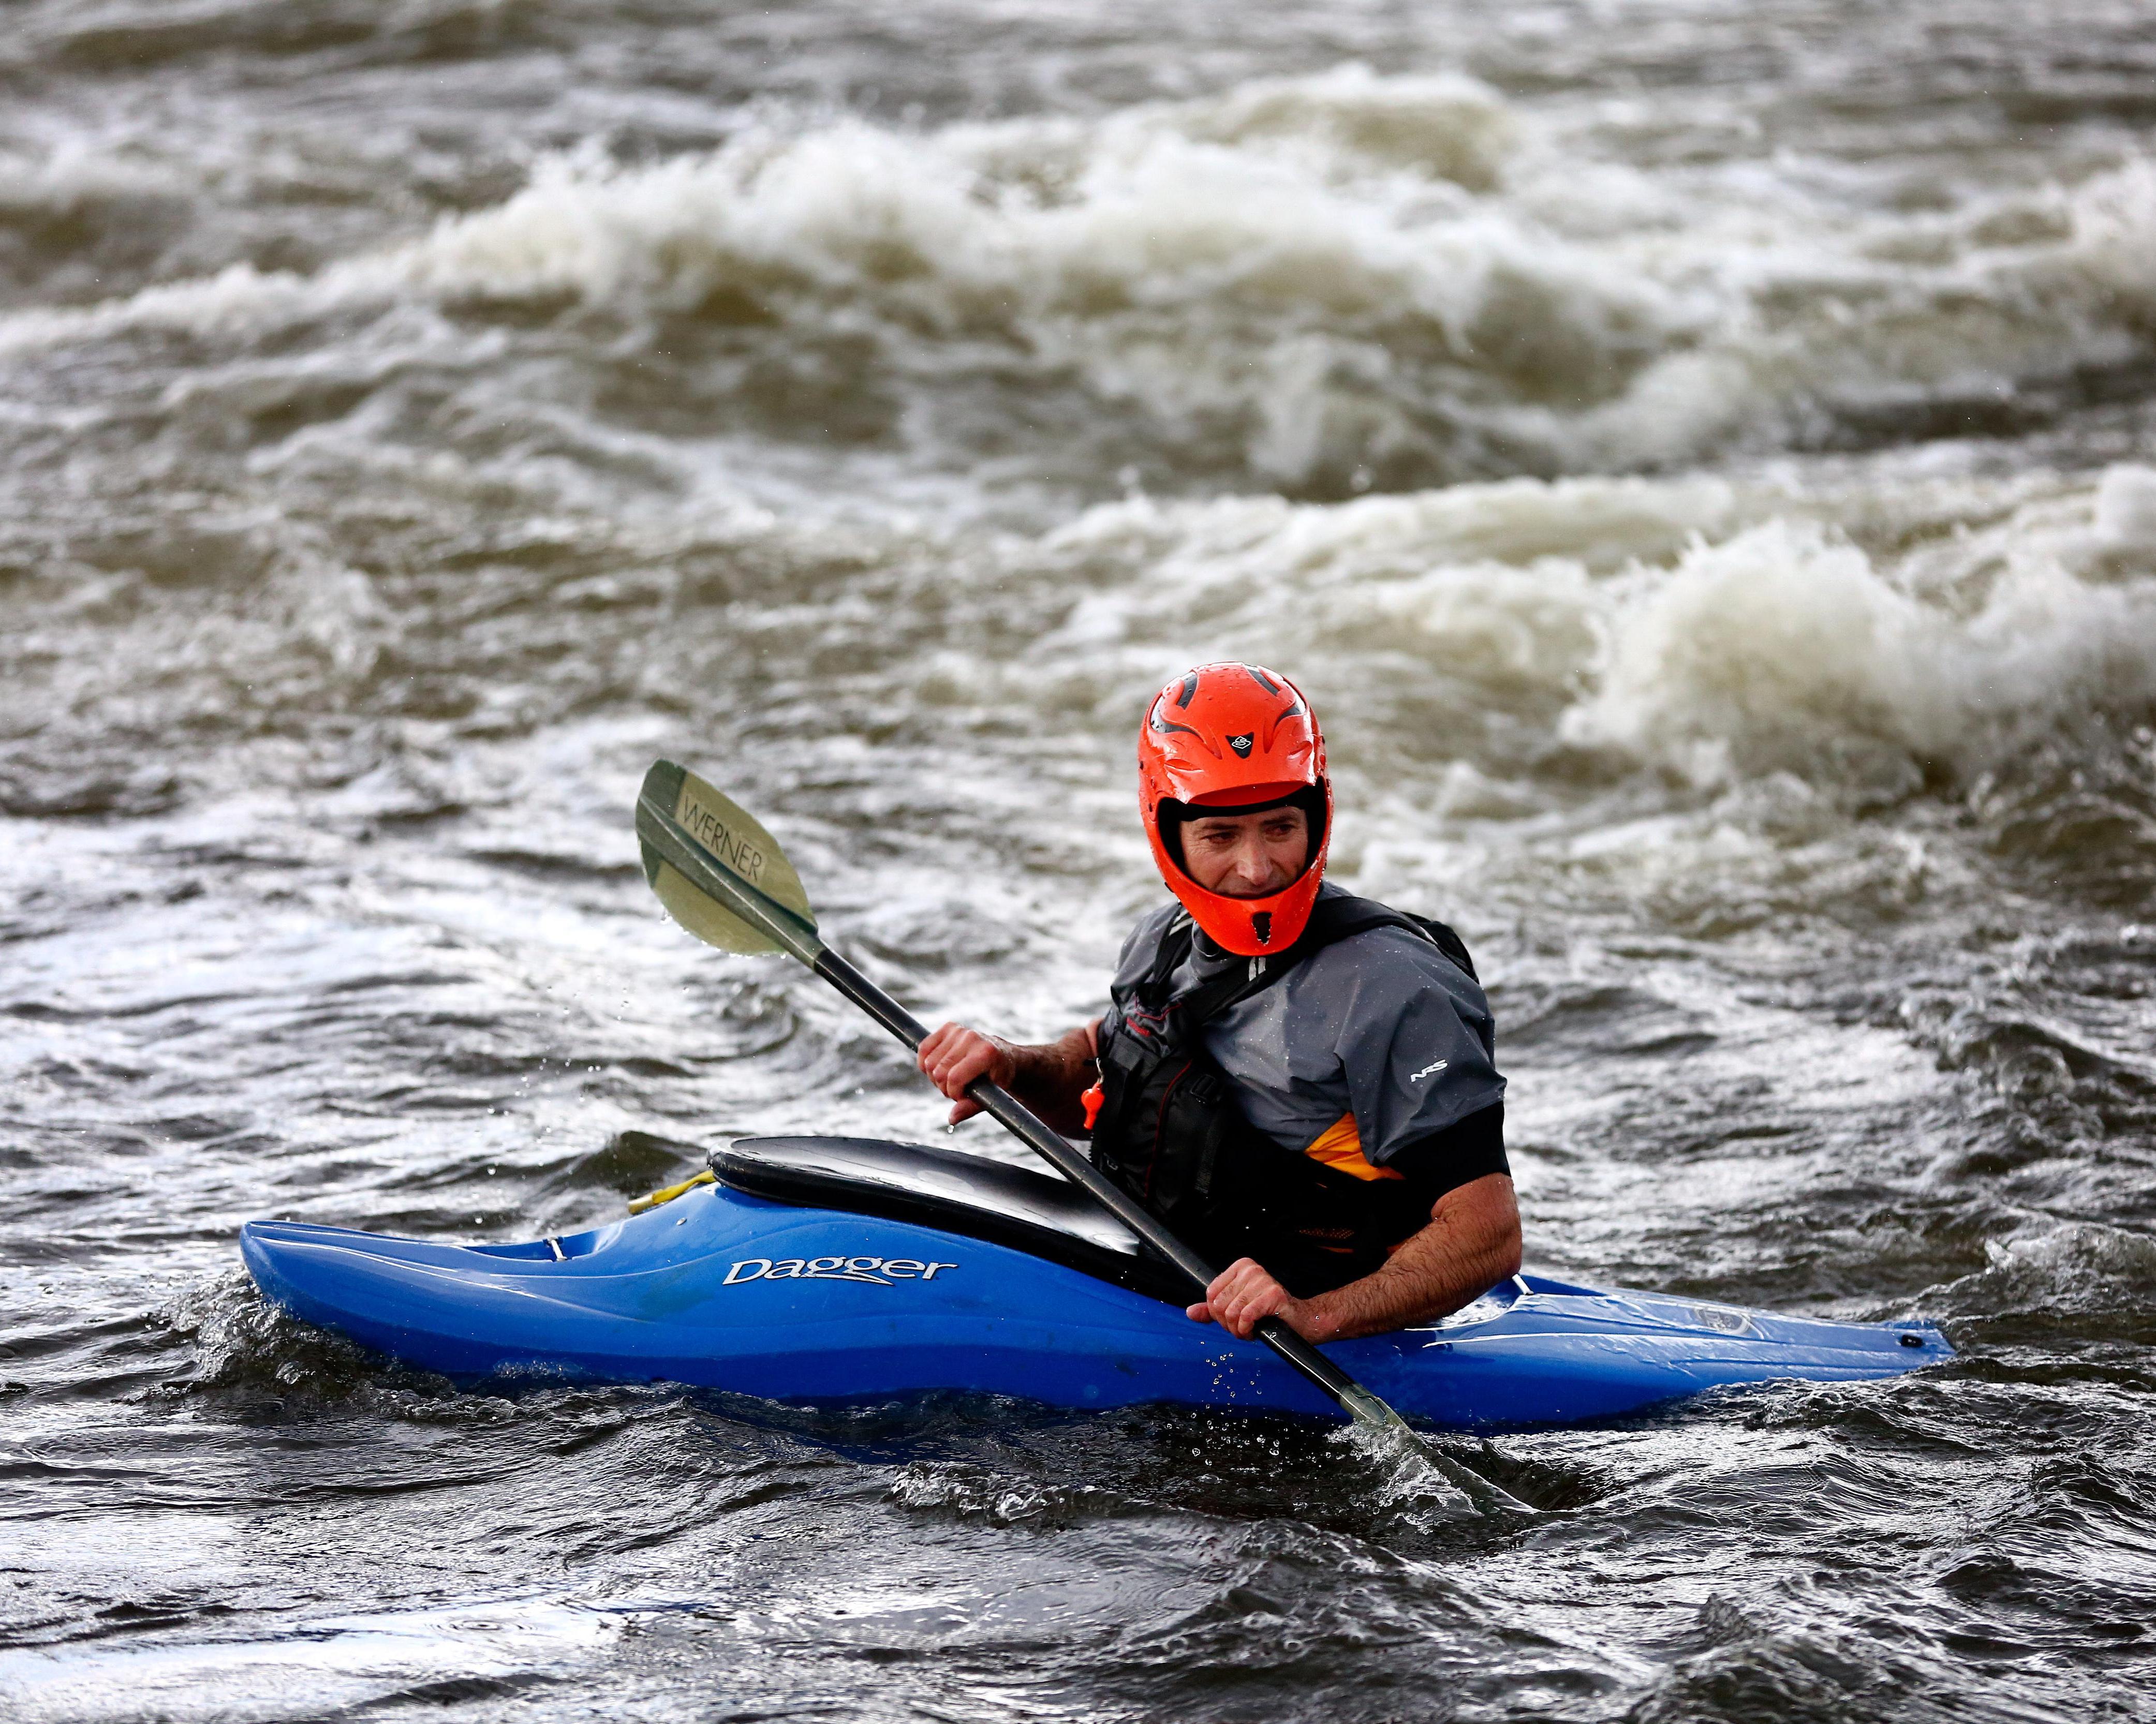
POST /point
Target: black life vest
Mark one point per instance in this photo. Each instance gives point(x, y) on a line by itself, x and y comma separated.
point(1169, 1131)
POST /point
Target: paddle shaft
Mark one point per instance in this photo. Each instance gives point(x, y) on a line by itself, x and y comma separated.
point(797, 935)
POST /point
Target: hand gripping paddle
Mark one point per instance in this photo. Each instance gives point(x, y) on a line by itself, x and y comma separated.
point(725, 878)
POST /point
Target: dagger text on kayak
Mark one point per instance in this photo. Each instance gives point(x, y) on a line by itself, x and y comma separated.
point(876, 1271)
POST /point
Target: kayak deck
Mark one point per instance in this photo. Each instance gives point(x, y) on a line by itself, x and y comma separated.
point(839, 1270)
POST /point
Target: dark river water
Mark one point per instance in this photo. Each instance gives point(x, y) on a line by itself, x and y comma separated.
point(1699, 456)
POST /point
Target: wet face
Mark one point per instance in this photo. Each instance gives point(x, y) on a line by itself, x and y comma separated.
point(1247, 855)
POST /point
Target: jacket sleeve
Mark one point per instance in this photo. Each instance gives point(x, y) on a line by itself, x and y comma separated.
point(1415, 1039)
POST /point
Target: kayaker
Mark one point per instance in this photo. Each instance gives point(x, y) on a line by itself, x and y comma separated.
point(1298, 1079)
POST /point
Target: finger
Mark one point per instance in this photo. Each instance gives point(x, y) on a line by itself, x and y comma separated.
point(954, 1070)
point(1244, 1294)
point(941, 1047)
point(967, 1059)
point(1200, 1312)
point(1231, 1286)
point(969, 1065)
point(963, 1109)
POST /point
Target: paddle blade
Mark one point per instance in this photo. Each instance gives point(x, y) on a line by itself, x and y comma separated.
point(735, 843)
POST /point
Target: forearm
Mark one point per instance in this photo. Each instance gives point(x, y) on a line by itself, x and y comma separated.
point(1049, 1077)
point(1471, 1243)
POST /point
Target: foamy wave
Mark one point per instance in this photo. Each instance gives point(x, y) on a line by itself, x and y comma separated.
point(1346, 279)
point(1714, 633)
point(74, 180)
point(1873, 324)
point(1063, 216)
point(1497, 587)
point(2072, 1270)
point(1785, 648)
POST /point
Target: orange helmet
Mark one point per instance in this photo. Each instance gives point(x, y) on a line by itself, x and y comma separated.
point(1232, 739)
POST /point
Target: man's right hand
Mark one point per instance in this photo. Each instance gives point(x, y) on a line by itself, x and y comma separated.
point(954, 1056)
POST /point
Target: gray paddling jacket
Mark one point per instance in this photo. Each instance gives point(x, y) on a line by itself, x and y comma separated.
point(1305, 1109)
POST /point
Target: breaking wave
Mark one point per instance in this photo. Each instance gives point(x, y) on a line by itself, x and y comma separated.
point(1786, 648)
point(1709, 631)
point(1326, 284)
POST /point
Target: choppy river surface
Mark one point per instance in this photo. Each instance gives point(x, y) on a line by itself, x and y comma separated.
point(1701, 458)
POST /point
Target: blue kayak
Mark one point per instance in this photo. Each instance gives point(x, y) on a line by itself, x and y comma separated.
point(834, 1270)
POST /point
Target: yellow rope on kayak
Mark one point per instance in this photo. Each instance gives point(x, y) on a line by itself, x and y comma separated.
point(666, 1194)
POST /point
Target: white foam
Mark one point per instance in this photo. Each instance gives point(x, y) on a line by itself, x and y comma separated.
point(1719, 634)
point(2126, 507)
point(74, 176)
point(1328, 272)
point(1785, 648)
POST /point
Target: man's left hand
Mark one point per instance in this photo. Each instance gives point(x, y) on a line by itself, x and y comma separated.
point(1242, 1294)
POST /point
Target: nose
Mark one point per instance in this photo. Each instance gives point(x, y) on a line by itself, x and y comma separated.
point(1254, 868)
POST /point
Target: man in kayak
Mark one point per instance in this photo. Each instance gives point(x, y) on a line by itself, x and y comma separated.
point(1293, 1078)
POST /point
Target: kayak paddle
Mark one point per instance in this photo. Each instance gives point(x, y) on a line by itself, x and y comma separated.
point(725, 878)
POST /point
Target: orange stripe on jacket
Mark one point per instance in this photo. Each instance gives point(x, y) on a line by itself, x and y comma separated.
point(1340, 1146)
